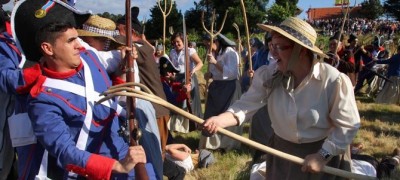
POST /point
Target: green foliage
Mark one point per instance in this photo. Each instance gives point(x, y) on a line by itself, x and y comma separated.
point(255, 12)
point(110, 16)
point(291, 5)
point(193, 19)
point(278, 13)
point(392, 8)
point(371, 9)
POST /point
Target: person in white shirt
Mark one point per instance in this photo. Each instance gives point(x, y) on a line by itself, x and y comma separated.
point(311, 105)
point(177, 56)
point(223, 90)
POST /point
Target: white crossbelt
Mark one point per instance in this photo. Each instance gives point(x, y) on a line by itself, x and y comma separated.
point(91, 97)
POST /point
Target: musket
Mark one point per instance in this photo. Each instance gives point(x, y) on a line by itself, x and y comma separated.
point(132, 124)
point(187, 65)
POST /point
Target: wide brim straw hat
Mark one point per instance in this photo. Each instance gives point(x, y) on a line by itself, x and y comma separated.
point(97, 26)
point(298, 31)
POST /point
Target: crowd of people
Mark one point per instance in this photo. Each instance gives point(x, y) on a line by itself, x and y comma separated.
point(57, 60)
point(358, 26)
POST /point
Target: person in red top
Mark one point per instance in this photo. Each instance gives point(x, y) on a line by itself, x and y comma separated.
point(175, 92)
point(343, 59)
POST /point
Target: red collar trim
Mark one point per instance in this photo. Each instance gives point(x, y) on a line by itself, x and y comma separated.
point(61, 75)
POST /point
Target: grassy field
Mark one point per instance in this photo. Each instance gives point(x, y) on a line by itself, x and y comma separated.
point(379, 133)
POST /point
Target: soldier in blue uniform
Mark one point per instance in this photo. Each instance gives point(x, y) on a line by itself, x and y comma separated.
point(76, 138)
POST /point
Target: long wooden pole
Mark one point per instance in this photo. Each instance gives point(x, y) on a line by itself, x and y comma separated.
point(165, 12)
point(122, 90)
point(212, 36)
point(187, 66)
point(134, 130)
point(247, 36)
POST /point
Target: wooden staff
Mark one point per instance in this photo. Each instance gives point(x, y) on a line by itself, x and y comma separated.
point(165, 12)
point(239, 49)
point(187, 65)
point(247, 37)
point(134, 130)
point(125, 90)
point(212, 36)
point(346, 14)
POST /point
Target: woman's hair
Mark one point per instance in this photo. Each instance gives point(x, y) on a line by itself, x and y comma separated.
point(222, 47)
point(175, 35)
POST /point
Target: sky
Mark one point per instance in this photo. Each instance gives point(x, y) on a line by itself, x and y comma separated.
point(117, 6)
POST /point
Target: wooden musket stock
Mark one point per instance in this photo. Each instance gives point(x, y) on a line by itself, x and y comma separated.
point(133, 126)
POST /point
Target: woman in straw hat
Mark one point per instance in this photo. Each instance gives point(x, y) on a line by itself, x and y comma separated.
point(311, 105)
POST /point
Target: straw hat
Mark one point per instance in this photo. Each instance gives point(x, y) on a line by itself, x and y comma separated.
point(97, 26)
point(298, 31)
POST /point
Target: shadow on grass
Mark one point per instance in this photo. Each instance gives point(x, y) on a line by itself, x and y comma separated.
point(379, 130)
point(365, 99)
point(189, 140)
point(245, 172)
point(383, 115)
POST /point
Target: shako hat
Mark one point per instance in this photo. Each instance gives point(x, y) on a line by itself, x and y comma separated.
point(29, 16)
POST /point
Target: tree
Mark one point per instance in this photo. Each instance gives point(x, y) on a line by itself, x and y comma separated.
point(154, 27)
point(110, 16)
point(392, 8)
point(255, 13)
point(371, 9)
point(193, 18)
point(278, 13)
point(289, 5)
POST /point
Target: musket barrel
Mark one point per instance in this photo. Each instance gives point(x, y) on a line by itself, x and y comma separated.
point(140, 169)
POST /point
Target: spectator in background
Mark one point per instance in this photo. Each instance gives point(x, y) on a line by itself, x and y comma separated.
point(223, 90)
point(369, 55)
point(192, 45)
point(256, 46)
point(341, 58)
point(355, 48)
point(177, 56)
point(390, 93)
point(159, 53)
